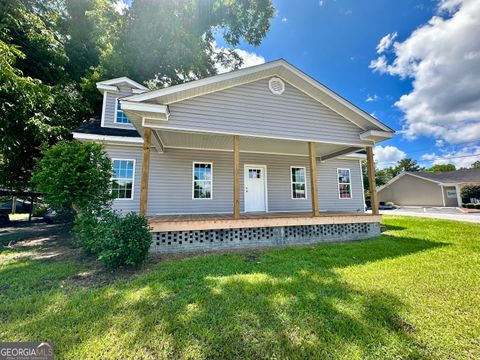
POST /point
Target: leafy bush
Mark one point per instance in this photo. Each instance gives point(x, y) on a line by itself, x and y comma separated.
point(477, 206)
point(470, 192)
point(470, 206)
point(116, 240)
point(74, 176)
point(128, 240)
point(89, 231)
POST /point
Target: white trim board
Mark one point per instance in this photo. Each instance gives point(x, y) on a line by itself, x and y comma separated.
point(203, 131)
point(107, 138)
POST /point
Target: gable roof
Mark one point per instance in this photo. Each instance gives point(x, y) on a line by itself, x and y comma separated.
point(279, 68)
point(111, 84)
point(452, 177)
point(456, 177)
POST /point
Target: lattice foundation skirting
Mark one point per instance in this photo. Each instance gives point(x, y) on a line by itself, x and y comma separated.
point(224, 239)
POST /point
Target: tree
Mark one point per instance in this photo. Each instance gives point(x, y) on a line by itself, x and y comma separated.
point(75, 176)
point(33, 114)
point(54, 51)
point(406, 164)
point(172, 41)
point(442, 167)
point(476, 165)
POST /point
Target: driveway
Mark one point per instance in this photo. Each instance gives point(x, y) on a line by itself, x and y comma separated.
point(435, 213)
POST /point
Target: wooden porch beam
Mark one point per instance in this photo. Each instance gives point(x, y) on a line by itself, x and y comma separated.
point(236, 177)
point(312, 150)
point(147, 142)
point(371, 180)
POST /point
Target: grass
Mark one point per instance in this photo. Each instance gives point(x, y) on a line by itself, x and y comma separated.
point(412, 293)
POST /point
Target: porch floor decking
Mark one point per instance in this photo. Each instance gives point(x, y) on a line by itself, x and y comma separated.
point(160, 223)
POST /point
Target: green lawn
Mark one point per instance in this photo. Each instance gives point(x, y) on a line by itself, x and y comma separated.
point(412, 293)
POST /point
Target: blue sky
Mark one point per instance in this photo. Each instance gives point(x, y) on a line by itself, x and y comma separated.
point(335, 41)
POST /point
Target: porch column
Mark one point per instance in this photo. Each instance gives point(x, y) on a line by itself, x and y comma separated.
point(236, 177)
point(147, 141)
point(312, 150)
point(458, 190)
point(371, 180)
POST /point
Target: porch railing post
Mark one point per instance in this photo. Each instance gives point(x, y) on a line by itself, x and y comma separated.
point(371, 180)
point(236, 177)
point(312, 150)
point(147, 141)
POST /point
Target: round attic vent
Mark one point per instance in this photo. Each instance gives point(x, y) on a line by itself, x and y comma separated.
point(276, 86)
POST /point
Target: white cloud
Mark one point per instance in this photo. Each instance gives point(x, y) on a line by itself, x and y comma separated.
point(284, 19)
point(464, 157)
point(441, 59)
point(249, 59)
point(380, 64)
point(386, 156)
point(372, 98)
point(386, 42)
point(321, 3)
point(120, 6)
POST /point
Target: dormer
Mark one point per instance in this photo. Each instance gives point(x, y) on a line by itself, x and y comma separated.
point(113, 90)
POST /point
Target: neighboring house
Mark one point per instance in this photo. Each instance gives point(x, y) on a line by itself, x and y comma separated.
point(260, 156)
point(428, 188)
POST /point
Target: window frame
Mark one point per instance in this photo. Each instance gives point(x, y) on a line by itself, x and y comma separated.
point(349, 183)
point(133, 179)
point(193, 179)
point(298, 182)
point(116, 114)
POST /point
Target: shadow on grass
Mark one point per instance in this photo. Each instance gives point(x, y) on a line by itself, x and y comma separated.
point(285, 303)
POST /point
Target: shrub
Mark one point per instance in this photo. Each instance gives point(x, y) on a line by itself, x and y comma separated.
point(74, 176)
point(116, 240)
point(470, 206)
point(470, 192)
point(89, 231)
point(477, 206)
point(127, 242)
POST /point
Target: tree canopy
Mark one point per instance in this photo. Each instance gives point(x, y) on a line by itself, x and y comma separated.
point(442, 167)
point(52, 52)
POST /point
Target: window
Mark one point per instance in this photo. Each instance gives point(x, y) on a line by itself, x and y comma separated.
point(120, 116)
point(122, 181)
point(344, 184)
point(202, 180)
point(254, 173)
point(299, 190)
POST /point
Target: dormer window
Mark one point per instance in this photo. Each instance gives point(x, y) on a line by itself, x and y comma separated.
point(120, 117)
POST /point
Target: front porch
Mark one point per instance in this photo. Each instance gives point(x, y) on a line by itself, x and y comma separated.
point(211, 232)
point(191, 222)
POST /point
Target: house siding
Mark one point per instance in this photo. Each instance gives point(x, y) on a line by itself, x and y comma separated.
point(170, 182)
point(251, 109)
point(110, 110)
point(412, 191)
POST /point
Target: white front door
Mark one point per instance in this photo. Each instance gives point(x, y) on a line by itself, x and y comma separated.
point(255, 185)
